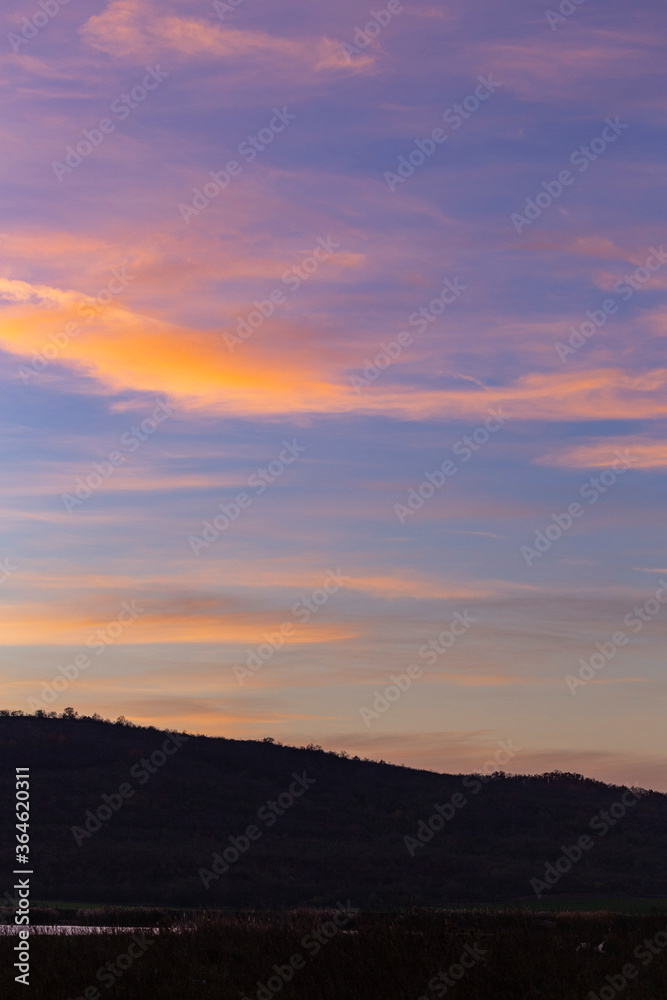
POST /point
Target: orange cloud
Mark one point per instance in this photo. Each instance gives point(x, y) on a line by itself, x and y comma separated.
point(208, 716)
point(291, 372)
point(34, 626)
point(430, 587)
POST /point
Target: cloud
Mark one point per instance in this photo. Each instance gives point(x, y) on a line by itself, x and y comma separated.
point(134, 29)
point(292, 372)
point(22, 291)
point(52, 479)
point(470, 679)
point(430, 587)
point(34, 625)
point(643, 452)
point(557, 67)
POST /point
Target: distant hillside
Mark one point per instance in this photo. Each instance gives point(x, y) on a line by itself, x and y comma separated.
point(308, 827)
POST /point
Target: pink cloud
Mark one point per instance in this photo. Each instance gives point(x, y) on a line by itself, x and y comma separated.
point(134, 29)
point(643, 451)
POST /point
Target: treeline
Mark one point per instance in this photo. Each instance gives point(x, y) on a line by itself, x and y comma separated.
point(71, 714)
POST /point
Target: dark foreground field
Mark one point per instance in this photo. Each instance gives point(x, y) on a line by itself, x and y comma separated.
point(318, 955)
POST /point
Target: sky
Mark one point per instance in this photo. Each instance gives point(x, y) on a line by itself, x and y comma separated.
point(333, 380)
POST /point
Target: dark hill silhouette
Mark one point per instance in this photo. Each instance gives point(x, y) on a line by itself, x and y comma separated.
point(309, 826)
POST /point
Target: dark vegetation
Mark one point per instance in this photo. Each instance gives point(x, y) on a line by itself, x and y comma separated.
point(515, 956)
point(342, 839)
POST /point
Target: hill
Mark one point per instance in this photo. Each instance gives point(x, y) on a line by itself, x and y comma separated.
point(129, 814)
